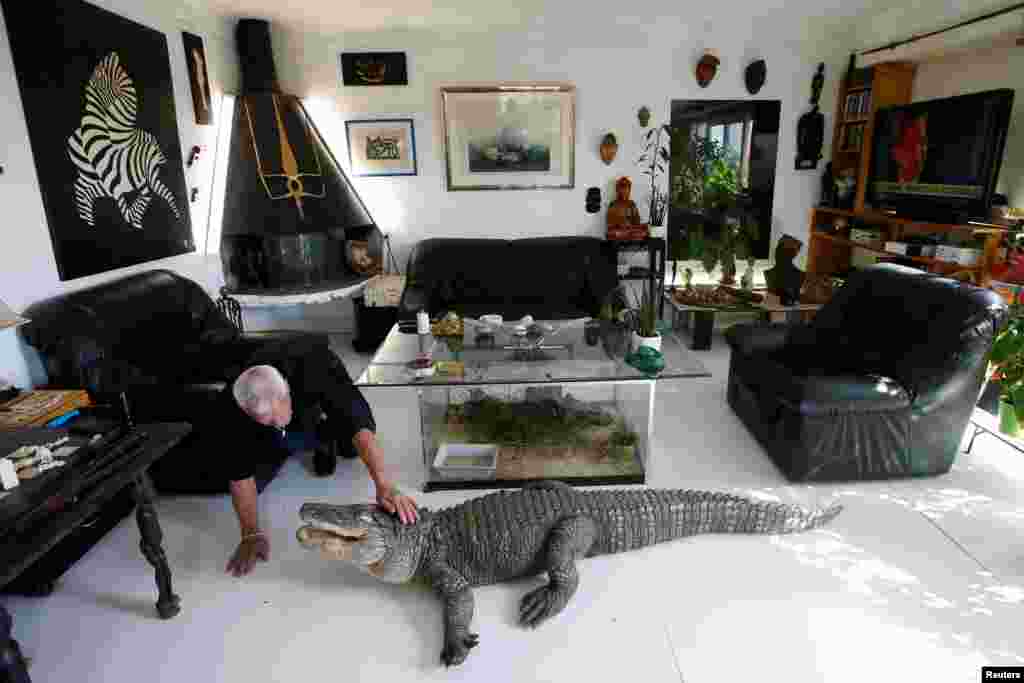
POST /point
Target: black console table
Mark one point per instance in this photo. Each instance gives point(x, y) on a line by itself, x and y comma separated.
point(38, 514)
point(655, 275)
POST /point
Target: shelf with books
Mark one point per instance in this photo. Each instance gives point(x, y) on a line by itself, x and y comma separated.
point(836, 235)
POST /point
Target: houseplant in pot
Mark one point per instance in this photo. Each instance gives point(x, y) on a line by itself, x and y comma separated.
point(1006, 366)
point(645, 322)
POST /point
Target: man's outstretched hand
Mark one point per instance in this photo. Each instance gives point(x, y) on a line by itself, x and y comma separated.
point(250, 551)
point(396, 502)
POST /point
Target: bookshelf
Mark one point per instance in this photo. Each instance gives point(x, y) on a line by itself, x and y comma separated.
point(863, 92)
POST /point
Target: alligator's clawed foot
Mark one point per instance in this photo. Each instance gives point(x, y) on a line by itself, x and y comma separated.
point(538, 605)
point(457, 649)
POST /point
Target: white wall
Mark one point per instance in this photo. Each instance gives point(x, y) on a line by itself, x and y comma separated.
point(977, 71)
point(616, 64)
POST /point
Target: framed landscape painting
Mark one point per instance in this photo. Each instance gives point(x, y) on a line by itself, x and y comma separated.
point(101, 119)
point(510, 137)
point(381, 147)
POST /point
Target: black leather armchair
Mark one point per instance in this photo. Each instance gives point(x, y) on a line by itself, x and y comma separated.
point(879, 385)
point(159, 338)
point(547, 277)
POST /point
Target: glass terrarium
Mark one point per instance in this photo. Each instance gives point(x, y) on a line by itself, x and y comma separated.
point(498, 435)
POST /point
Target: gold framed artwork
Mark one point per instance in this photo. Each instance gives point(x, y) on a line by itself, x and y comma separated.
point(381, 147)
point(510, 137)
point(198, 78)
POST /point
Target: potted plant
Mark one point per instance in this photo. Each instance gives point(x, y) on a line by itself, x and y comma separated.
point(1006, 366)
point(654, 159)
point(645, 328)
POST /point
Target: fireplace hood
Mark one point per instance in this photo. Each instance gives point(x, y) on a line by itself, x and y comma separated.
point(291, 216)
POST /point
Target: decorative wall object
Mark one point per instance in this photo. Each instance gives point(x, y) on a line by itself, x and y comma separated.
point(198, 77)
point(644, 115)
point(755, 75)
point(609, 148)
point(593, 199)
point(654, 163)
point(707, 67)
point(510, 137)
point(381, 147)
point(100, 111)
point(374, 68)
point(810, 129)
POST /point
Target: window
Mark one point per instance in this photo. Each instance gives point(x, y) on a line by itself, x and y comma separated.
point(734, 134)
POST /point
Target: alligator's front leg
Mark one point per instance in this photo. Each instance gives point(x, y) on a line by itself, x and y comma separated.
point(454, 590)
point(568, 541)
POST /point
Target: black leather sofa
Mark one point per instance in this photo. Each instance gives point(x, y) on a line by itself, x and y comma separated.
point(546, 277)
point(161, 339)
point(879, 385)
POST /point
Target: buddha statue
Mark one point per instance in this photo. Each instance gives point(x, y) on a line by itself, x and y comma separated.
point(623, 212)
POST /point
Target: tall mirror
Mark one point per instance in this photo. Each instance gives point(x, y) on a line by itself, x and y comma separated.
point(722, 179)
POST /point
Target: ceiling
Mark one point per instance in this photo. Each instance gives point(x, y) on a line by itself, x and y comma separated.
point(330, 16)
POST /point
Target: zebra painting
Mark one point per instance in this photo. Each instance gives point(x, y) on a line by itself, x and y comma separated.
point(113, 157)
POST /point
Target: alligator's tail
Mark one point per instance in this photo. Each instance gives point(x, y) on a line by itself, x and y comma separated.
point(654, 516)
point(708, 512)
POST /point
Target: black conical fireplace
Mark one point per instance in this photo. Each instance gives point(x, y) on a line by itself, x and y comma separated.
point(290, 213)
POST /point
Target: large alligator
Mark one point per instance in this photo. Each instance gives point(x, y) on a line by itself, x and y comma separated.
point(544, 527)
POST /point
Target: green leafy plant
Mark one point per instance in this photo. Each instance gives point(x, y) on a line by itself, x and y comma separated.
point(646, 315)
point(1006, 360)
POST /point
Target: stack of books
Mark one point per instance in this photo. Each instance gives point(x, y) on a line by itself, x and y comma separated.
point(41, 408)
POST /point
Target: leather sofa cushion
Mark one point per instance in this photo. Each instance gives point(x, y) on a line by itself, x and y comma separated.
point(898, 326)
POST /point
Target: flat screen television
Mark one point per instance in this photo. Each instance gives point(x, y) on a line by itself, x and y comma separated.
point(939, 160)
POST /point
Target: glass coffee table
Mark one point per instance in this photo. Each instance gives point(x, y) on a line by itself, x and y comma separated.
point(499, 408)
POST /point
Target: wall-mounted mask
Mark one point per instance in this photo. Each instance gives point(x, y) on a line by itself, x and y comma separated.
point(707, 67)
point(609, 147)
point(644, 114)
point(810, 129)
point(755, 76)
point(593, 200)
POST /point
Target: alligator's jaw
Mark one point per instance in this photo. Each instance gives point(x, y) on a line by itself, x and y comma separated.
point(336, 543)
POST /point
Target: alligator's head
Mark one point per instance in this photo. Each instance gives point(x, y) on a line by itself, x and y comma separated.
point(367, 536)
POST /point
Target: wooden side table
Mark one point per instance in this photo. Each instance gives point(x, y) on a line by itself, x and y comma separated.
point(40, 512)
point(704, 316)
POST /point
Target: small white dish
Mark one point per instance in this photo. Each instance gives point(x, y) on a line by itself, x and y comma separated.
point(492, 319)
point(467, 460)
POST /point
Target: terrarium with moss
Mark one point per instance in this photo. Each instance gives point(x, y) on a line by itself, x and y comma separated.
point(586, 432)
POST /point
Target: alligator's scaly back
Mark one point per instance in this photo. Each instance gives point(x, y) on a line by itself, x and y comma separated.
point(501, 535)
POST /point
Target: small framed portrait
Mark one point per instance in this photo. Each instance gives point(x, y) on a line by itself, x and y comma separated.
point(198, 78)
point(381, 147)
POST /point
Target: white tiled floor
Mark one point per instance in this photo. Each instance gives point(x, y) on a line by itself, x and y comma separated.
point(915, 580)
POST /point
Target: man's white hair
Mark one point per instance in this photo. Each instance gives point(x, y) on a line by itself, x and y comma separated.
point(257, 387)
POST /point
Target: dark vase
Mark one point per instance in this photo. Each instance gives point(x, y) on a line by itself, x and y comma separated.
point(614, 338)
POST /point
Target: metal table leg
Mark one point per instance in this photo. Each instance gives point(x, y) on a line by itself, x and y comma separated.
point(703, 325)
